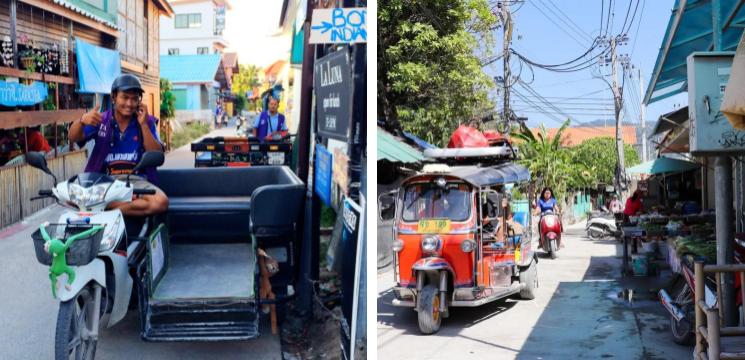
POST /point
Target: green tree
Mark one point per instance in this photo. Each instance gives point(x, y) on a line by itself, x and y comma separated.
point(429, 78)
point(549, 162)
point(599, 158)
point(167, 100)
point(246, 79)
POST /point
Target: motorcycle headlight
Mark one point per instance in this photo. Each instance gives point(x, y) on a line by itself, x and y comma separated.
point(430, 244)
point(398, 245)
point(467, 245)
point(109, 238)
point(86, 197)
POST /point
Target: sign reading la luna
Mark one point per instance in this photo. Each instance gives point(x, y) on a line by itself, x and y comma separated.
point(15, 94)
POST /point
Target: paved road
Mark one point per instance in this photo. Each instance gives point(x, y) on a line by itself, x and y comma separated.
point(580, 311)
point(28, 313)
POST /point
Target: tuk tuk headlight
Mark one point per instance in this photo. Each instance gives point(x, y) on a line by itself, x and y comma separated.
point(467, 245)
point(430, 244)
point(398, 245)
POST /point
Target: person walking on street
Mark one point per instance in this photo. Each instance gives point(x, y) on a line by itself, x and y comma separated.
point(615, 205)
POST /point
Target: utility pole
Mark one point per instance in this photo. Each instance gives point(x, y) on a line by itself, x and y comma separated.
point(642, 120)
point(617, 104)
point(507, 28)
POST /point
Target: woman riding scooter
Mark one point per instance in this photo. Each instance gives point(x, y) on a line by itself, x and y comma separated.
point(549, 225)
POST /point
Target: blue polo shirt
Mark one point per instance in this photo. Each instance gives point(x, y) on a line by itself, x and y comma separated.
point(273, 123)
point(127, 147)
point(546, 205)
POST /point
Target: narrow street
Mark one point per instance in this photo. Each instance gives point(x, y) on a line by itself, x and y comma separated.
point(581, 311)
point(29, 312)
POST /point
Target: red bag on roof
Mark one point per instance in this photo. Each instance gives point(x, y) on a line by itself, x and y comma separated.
point(467, 137)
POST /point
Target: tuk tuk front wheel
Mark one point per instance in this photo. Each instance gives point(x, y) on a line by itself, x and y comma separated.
point(529, 277)
point(73, 338)
point(428, 309)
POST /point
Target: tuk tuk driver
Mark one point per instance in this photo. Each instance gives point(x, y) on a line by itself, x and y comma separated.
point(269, 122)
point(122, 134)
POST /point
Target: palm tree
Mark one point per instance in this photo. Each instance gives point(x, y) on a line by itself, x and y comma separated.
point(547, 160)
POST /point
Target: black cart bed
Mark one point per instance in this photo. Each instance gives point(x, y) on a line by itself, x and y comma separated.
point(199, 271)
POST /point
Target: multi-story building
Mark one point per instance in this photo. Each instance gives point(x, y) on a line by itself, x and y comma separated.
point(195, 29)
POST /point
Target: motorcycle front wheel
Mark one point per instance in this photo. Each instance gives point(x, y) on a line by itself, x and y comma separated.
point(75, 320)
point(682, 330)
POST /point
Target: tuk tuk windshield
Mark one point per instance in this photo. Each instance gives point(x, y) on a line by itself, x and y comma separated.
point(430, 201)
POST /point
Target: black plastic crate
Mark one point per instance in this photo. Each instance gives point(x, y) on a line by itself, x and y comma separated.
point(80, 253)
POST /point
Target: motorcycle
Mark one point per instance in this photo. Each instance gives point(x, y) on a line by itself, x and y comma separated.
point(681, 306)
point(601, 225)
point(550, 228)
point(89, 245)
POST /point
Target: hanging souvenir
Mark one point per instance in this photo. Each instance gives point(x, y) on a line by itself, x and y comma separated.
point(6, 52)
point(64, 65)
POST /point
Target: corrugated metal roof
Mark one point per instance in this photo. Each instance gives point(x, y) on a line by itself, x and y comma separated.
point(87, 14)
point(692, 28)
point(394, 150)
point(189, 68)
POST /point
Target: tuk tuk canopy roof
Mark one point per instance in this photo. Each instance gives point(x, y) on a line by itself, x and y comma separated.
point(492, 175)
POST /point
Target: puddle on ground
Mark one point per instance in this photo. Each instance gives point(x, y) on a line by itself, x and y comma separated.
point(631, 297)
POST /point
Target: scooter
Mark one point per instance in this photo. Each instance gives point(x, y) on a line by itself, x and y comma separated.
point(96, 266)
point(680, 305)
point(601, 225)
point(549, 228)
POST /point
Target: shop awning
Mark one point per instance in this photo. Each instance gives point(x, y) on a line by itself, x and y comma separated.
point(662, 165)
point(694, 25)
point(97, 67)
point(671, 120)
point(180, 69)
point(394, 150)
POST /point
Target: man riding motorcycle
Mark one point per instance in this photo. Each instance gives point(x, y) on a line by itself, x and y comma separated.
point(122, 134)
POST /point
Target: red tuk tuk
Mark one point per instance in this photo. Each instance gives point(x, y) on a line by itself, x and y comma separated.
point(456, 242)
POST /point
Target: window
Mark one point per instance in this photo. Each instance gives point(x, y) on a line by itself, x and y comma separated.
point(203, 50)
point(173, 51)
point(188, 21)
point(429, 201)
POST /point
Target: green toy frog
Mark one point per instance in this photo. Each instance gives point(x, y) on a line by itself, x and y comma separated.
point(58, 249)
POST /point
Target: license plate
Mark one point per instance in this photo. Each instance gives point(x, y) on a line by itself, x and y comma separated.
point(276, 158)
point(433, 226)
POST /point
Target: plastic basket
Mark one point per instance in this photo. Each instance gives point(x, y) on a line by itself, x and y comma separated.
point(80, 253)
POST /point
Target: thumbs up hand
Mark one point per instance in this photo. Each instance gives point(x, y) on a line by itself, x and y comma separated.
point(93, 117)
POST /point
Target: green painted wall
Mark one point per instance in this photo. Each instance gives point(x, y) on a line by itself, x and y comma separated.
point(106, 9)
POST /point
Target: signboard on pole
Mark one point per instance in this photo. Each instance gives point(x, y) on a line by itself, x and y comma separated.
point(338, 26)
point(322, 174)
point(332, 83)
point(349, 238)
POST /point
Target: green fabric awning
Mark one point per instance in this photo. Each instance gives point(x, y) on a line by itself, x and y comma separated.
point(394, 150)
point(662, 165)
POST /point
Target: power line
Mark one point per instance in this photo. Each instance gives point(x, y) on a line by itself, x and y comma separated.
point(638, 25)
point(568, 21)
point(557, 25)
point(632, 17)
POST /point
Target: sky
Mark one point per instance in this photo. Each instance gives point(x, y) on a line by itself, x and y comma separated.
point(543, 41)
point(251, 28)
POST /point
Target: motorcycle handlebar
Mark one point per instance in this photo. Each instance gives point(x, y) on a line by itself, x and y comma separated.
point(45, 193)
point(143, 191)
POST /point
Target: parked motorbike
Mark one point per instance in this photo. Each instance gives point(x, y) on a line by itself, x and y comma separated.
point(601, 225)
point(98, 254)
point(680, 305)
point(549, 227)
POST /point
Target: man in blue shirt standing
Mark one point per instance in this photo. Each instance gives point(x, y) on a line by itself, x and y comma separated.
point(269, 122)
point(122, 134)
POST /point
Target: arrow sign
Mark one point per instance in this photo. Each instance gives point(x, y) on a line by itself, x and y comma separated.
point(338, 26)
